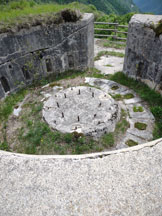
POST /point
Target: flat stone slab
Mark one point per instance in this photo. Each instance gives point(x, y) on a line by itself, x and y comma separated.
point(109, 64)
point(140, 136)
point(82, 109)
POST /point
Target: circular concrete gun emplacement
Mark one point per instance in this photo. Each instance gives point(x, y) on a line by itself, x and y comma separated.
point(82, 109)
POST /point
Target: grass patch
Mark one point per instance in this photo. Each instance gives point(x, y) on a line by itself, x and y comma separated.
point(7, 106)
point(121, 97)
point(138, 109)
point(111, 53)
point(123, 124)
point(108, 140)
point(115, 88)
point(108, 65)
point(114, 45)
point(128, 96)
point(4, 146)
point(153, 98)
point(140, 126)
point(117, 97)
point(131, 143)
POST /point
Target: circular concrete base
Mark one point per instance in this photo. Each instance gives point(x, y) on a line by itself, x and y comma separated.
point(82, 109)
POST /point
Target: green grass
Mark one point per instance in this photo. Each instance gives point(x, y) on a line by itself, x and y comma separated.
point(138, 109)
point(117, 97)
point(113, 45)
point(153, 98)
point(108, 140)
point(7, 106)
point(121, 97)
point(128, 96)
point(4, 146)
point(108, 65)
point(140, 126)
point(111, 53)
point(16, 15)
point(123, 124)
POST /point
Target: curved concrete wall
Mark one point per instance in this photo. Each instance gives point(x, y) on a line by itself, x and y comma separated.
point(44, 50)
point(144, 50)
point(121, 183)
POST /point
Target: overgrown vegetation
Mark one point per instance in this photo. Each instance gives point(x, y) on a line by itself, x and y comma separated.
point(111, 53)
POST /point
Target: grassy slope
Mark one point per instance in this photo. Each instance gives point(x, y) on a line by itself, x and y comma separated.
point(8, 12)
point(108, 6)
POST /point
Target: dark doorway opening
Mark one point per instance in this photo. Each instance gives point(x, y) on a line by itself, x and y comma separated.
point(49, 65)
point(5, 84)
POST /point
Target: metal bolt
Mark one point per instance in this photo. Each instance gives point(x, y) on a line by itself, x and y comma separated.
point(62, 115)
point(95, 115)
point(78, 119)
point(79, 92)
point(92, 94)
point(58, 105)
point(64, 95)
point(99, 105)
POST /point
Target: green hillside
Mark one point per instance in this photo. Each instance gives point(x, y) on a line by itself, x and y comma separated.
point(107, 6)
point(153, 6)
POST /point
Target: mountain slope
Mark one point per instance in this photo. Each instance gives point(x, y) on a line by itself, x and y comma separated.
point(108, 6)
point(154, 6)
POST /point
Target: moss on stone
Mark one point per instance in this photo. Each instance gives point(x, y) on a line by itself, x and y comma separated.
point(157, 28)
point(138, 109)
point(128, 96)
point(140, 126)
point(131, 143)
point(115, 87)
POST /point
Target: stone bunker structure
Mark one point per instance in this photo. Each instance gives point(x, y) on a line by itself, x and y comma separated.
point(143, 59)
point(124, 182)
point(44, 51)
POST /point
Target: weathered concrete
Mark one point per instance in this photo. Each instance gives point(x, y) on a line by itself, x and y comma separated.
point(132, 133)
point(144, 50)
point(124, 182)
point(45, 50)
point(82, 109)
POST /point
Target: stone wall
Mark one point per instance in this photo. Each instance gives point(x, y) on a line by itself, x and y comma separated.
point(143, 59)
point(44, 50)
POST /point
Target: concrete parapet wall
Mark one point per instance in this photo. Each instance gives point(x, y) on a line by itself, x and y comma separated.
point(144, 50)
point(44, 50)
point(124, 182)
